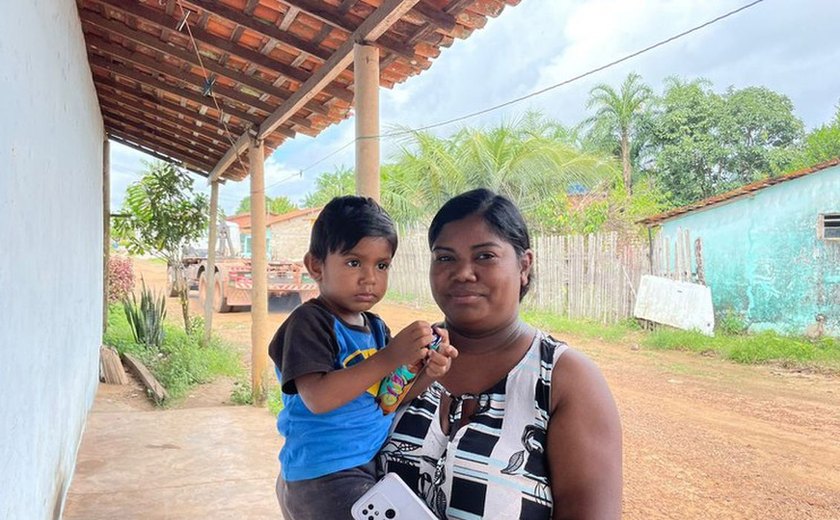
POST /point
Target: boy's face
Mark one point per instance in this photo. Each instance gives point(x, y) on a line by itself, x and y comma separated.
point(353, 281)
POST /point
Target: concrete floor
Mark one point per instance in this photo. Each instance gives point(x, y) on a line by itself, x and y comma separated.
point(202, 463)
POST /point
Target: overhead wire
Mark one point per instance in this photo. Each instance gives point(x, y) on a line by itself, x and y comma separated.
point(541, 91)
point(184, 13)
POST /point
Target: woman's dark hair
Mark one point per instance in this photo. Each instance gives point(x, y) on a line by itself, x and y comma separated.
point(344, 221)
point(496, 210)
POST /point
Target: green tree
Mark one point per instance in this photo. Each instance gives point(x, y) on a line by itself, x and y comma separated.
point(704, 143)
point(821, 144)
point(619, 115)
point(329, 185)
point(162, 215)
point(276, 205)
point(527, 159)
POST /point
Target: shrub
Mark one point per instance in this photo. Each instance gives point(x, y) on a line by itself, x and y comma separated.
point(146, 317)
point(241, 393)
point(731, 323)
point(120, 278)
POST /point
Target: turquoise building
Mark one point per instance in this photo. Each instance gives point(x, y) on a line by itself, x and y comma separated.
point(771, 249)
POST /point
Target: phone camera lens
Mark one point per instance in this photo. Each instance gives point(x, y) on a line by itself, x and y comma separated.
point(390, 513)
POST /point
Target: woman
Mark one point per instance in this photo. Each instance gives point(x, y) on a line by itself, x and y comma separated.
point(521, 426)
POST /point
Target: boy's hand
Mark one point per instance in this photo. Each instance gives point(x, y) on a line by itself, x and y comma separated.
point(439, 361)
point(409, 346)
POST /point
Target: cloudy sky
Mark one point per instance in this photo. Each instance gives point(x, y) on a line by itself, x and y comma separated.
point(789, 46)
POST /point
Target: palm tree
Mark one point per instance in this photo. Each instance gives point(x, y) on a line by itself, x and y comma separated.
point(528, 160)
point(619, 113)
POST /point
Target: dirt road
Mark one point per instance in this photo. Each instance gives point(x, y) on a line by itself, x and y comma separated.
point(703, 438)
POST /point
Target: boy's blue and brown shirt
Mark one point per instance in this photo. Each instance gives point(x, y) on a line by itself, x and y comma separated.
point(314, 340)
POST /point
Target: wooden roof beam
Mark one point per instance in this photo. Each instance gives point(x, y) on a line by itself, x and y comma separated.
point(188, 57)
point(198, 165)
point(163, 139)
point(259, 26)
point(164, 104)
point(121, 138)
point(371, 29)
point(128, 72)
point(178, 75)
point(324, 13)
point(201, 35)
point(435, 16)
point(198, 134)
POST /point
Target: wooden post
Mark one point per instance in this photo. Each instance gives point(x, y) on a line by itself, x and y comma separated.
point(259, 274)
point(366, 74)
point(106, 228)
point(210, 272)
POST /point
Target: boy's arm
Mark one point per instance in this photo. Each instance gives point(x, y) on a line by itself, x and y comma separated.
point(323, 392)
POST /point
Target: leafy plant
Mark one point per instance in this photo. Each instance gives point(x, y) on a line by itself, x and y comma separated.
point(181, 362)
point(241, 393)
point(731, 323)
point(146, 317)
point(120, 278)
point(162, 215)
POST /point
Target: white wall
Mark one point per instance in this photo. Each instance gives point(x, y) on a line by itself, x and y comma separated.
point(50, 252)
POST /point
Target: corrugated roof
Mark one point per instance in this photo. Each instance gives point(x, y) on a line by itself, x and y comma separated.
point(738, 192)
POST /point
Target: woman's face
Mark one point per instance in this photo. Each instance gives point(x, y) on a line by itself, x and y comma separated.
point(476, 276)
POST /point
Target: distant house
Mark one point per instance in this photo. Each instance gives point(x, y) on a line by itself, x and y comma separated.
point(242, 223)
point(287, 235)
point(771, 249)
point(290, 234)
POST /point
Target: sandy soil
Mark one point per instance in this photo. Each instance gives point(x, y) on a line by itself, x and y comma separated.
point(703, 438)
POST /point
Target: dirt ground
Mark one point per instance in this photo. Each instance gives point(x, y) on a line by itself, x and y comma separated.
point(703, 438)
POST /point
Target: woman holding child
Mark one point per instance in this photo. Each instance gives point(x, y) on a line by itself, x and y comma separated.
point(520, 427)
point(515, 426)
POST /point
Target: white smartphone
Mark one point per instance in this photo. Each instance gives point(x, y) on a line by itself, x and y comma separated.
point(391, 499)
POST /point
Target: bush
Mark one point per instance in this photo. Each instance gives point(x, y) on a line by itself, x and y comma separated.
point(241, 393)
point(120, 278)
point(731, 323)
point(180, 362)
point(146, 318)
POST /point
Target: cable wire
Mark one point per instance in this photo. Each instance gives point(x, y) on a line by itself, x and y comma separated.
point(546, 89)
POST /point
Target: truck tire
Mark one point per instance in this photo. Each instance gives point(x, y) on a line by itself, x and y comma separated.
point(220, 303)
point(171, 287)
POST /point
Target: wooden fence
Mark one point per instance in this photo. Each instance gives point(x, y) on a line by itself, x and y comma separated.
point(592, 277)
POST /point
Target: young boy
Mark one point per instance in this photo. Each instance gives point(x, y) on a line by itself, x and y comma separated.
point(324, 355)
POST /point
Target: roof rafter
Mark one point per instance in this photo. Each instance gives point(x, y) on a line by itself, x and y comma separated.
point(130, 141)
point(191, 132)
point(172, 140)
point(271, 31)
point(189, 57)
point(318, 11)
point(244, 53)
point(370, 30)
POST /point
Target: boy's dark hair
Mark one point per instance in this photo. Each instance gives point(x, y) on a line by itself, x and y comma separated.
point(344, 221)
point(496, 210)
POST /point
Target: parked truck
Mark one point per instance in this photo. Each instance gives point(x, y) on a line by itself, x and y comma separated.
point(232, 278)
point(232, 281)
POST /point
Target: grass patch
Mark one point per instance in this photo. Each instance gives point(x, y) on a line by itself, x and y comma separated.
point(181, 362)
point(584, 328)
point(752, 348)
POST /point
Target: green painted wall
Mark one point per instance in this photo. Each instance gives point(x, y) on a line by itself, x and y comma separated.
point(763, 258)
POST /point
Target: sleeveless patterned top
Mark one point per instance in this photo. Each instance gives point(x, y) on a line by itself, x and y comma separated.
point(494, 467)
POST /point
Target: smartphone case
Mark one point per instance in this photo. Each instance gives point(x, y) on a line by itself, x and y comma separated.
point(391, 499)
